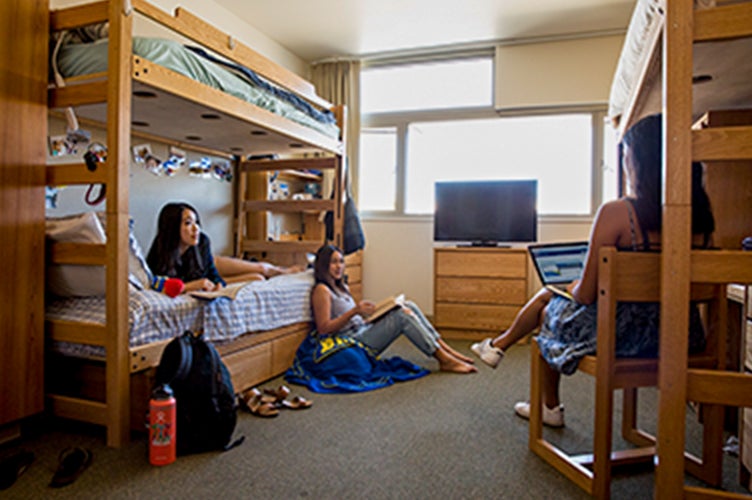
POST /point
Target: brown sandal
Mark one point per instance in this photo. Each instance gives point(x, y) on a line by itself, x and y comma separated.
point(277, 395)
point(256, 403)
point(297, 403)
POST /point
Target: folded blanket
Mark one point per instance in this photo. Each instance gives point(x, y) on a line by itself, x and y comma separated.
point(341, 364)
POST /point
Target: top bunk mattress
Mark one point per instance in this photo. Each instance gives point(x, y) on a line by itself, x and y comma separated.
point(79, 59)
point(637, 85)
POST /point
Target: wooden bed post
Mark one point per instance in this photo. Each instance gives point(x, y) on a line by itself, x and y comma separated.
point(675, 244)
point(118, 164)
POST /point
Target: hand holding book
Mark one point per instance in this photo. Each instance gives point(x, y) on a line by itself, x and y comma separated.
point(385, 306)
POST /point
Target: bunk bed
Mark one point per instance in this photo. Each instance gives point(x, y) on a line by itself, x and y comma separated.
point(693, 65)
point(135, 92)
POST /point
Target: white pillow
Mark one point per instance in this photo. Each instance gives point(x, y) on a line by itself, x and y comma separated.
point(69, 280)
point(139, 274)
point(83, 281)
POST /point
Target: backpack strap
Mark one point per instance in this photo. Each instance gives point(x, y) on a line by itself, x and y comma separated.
point(186, 357)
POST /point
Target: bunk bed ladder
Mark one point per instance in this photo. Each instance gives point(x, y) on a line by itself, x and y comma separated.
point(681, 266)
point(112, 174)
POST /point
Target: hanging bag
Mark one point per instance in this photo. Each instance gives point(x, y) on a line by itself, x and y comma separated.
point(353, 238)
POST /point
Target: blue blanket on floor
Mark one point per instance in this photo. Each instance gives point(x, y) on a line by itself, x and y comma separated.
point(341, 364)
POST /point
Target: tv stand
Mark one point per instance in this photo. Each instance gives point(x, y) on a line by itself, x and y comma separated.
point(478, 290)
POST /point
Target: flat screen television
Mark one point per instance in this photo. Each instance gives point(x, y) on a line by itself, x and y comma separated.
point(486, 213)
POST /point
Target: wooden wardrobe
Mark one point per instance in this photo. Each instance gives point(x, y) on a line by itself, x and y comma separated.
point(23, 129)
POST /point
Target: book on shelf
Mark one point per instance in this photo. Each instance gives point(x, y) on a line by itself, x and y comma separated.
point(230, 291)
point(385, 306)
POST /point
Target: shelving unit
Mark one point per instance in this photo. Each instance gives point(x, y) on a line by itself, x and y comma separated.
point(284, 229)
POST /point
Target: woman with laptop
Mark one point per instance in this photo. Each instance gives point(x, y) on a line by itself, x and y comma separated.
point(568, 325)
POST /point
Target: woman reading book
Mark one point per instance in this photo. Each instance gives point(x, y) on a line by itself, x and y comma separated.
point(181, 250)
point(337, 314)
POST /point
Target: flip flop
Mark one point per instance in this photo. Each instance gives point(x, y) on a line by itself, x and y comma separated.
point(71, 463)
point(297, 403)
point(13, 466)
point(256, 403)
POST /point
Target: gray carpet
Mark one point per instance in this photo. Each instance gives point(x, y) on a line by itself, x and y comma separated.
point(442, 436)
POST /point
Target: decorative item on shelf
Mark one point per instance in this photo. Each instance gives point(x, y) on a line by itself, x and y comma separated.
point(302, 196)
point(747, 243)
point(279, 190)
point(313, 188)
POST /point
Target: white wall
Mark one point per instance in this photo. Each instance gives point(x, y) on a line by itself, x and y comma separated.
point(398, 257)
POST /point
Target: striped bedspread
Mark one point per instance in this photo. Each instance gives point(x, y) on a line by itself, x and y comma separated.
point(153, 316)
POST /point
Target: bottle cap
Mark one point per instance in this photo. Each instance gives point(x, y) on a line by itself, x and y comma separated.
point(163, 391)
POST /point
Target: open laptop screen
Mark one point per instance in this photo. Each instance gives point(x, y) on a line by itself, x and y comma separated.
point(558, 263)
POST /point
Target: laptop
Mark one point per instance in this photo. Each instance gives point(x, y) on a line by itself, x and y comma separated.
point(558, 264)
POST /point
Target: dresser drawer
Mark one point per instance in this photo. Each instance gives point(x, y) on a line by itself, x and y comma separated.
point(481, 290)
point(474, 317)
point(509, 264)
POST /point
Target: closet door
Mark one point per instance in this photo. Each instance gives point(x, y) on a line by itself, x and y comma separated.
point(23, 129)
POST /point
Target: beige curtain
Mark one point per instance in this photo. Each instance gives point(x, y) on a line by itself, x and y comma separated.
point(339, 83)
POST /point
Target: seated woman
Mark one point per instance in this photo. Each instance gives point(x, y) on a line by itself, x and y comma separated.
point(568, 327)
point(336, 313)
point(181, 250)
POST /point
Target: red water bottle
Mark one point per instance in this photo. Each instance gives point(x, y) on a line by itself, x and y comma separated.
point(162, 426)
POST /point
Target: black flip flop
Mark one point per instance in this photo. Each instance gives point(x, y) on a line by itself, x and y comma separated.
point(13, 466)
point(71, 463)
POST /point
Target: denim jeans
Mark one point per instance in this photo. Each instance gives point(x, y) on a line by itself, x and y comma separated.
point(408, 320)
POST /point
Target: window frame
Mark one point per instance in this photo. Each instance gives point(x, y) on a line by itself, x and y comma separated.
point(400, 121)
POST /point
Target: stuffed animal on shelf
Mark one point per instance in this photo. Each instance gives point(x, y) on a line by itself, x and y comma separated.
point(172, 287)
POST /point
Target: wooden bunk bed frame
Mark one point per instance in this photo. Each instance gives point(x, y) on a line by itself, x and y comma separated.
point(114, 394)
point(723, 141)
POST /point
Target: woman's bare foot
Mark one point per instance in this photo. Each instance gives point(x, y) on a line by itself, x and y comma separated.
point(454, 353)
point(448, 363)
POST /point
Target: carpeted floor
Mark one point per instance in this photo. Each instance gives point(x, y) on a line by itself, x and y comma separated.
point(442, 436)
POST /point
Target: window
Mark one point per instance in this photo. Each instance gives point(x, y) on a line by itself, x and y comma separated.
point(435, 85)
point(432, 121)
point(378, 168)
point(555, 149)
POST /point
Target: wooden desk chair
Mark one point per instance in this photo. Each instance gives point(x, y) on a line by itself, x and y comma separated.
point(630, 277)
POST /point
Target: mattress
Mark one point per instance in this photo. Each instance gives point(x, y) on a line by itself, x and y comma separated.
point(153, 316)
point(726, 63)
point(77, 59)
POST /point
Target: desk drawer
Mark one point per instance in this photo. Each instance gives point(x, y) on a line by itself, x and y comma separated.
point(509, 264)
point(474, 317)
point(481, 290)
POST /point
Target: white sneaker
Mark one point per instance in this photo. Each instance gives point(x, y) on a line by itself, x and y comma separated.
point(489, 354)
point(552, 417)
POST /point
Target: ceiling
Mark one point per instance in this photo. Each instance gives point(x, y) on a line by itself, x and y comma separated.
point(318, 29)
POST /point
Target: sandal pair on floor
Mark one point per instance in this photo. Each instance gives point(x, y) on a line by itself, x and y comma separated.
point(71, 463)
point(268, 403)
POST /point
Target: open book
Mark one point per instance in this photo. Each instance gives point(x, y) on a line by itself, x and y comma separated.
point(385, 306)
point(230, 291)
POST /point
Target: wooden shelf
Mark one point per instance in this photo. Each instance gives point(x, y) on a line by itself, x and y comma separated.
point(304, 206)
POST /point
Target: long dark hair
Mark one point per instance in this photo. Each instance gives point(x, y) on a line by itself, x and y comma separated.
point(321, 272)
point(164, 254)
point(645, 140)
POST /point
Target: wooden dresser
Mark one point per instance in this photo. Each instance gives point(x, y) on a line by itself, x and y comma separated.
point(478, 291)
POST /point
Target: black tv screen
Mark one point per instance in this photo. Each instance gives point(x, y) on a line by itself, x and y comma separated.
point(486, 212)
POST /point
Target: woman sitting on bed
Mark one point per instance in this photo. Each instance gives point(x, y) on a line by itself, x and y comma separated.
point(337, 314)
point(181, 250)
point(568, 327)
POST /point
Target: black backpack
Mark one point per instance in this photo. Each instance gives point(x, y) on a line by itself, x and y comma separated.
point(206, 404)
